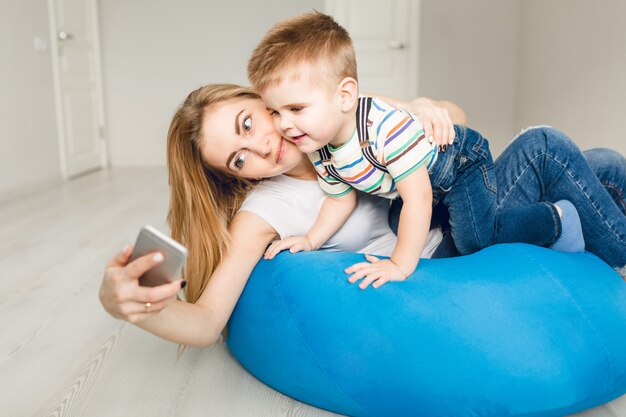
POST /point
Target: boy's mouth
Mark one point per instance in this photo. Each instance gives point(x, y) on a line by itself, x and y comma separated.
point(297, 139)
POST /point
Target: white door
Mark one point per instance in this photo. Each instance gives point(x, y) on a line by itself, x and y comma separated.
point(76, 67)
point(385, 36)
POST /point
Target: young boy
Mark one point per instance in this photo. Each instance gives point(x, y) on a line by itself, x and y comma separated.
point(305, 71)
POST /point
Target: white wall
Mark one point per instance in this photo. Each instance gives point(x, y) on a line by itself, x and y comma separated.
point(508, 64)
point(156, 52)
point(573, 72)
point(518, 63)
point(29, 155)
point(469, 53)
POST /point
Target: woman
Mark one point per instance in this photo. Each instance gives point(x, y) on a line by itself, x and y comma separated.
point(221, 142)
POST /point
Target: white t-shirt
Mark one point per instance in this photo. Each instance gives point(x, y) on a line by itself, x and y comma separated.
point(291, 207)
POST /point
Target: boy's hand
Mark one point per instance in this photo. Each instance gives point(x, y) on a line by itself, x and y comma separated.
point(375, 270)
point(293, 243)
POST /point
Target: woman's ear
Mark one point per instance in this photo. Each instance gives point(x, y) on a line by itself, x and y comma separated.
point(348, 93)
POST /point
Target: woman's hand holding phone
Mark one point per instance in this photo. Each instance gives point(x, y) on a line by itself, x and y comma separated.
point(123, 297)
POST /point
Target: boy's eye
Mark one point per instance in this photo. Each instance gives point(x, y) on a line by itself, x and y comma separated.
point(273, 113)
point(239, 161)
point(247, 124)
point(295, 109)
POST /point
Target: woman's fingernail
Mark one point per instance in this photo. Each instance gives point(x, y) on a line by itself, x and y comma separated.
point(183, 284)
point(125, 248)
point(158, 257)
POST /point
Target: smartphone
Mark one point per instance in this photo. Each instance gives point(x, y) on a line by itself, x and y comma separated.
point(174, 254)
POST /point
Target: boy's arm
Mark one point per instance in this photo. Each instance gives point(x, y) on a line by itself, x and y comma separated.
point(333, 214)
point(416, 193)
point(417, 196)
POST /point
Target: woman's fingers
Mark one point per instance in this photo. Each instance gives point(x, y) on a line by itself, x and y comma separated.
point(451, 133)
point(427, 125)
point(438, 130)
point(156, 295)
point(438, 125)
point(143, 313)
point(139, 266)
point(120, 258)
point(121, 295)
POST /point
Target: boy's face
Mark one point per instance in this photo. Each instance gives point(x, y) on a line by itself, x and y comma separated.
point(305, 108)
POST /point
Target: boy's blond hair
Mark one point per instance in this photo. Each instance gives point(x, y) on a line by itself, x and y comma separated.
point(313, 38)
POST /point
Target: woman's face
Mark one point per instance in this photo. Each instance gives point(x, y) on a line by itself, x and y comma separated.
point(238, 137)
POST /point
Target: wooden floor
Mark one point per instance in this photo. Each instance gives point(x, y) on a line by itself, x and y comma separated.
point(62, 355)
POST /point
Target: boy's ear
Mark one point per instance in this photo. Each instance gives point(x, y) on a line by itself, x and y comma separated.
point(348, 93)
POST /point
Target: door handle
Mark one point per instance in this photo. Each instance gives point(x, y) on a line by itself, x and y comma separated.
point(395, 45)
point(64, 36)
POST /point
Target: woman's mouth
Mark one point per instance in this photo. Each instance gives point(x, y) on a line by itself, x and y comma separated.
point(281, 150)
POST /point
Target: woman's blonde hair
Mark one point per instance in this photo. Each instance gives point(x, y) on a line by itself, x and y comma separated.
point(203, 199)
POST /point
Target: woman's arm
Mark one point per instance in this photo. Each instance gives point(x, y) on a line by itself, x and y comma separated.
point(198, 324)
point(420, 104)
point(438, 117)
point(425, 104)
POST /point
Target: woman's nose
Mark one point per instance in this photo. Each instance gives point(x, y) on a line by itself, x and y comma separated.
point(262, 146)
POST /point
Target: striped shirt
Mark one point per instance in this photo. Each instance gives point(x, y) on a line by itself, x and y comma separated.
point(397, 142)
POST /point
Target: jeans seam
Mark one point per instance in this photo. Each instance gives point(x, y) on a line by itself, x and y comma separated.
point(451, 160)
point(474, 228)
point(488, 184)
point(618, 191)
point(591, 201)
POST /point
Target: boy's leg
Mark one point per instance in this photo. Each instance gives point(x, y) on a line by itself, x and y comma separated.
point(468, 190)
point(544, 165)
point(610, 168)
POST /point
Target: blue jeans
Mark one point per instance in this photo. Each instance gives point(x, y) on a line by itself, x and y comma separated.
point(543, 165)
point(610, 168)
point(464, 183)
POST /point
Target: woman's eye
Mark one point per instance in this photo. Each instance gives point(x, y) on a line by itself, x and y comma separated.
point(239, 161)
point(247, 124)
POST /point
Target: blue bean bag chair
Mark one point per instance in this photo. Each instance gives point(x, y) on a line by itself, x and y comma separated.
point(513, 330)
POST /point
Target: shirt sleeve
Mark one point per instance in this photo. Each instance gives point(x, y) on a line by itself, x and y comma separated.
point(330, 185)
point(405, 147)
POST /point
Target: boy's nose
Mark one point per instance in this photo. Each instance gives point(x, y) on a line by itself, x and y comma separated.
point(285, 124)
